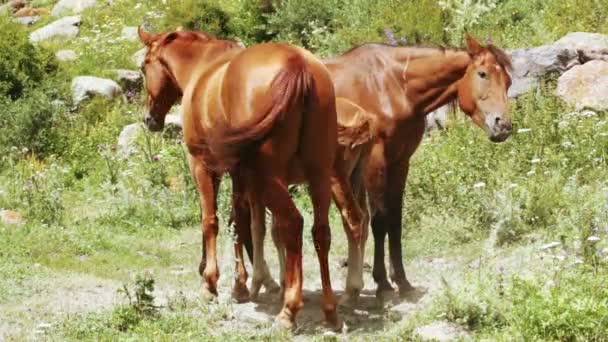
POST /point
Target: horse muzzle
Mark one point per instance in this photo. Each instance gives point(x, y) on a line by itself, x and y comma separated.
point(153, 124)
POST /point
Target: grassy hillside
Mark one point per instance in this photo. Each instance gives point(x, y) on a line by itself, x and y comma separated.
point(88, 212)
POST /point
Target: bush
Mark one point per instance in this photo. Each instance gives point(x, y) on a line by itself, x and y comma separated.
point(22, 64)
point(28, 123)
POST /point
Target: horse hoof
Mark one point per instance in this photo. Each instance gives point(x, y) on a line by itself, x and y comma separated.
point(207, 294)
point(333, 322)
point(284, 321)
point(349, 299)
point(240, 294)
point(255, 289)
point(271, 286)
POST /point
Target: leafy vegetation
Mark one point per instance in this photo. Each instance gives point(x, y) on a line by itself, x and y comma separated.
point(88, 209)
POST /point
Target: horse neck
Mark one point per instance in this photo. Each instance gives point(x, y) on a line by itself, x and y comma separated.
point(431, 78)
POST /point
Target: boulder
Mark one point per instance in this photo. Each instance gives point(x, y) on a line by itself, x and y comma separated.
point(64, 7)
point(84, 87)
point(139, 57)
point(129, 33)
point(530, 64)
point(583, 40)
point(66, 55)
point(585, 86)
point(67, 27)
point(575, 48)
point(27, 20)
point(127, 139)
point(129, 80)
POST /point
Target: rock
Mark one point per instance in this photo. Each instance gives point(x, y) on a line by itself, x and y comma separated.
point(583, 40)
point(85, 86)
point(66, 55)
point(127, 139)
point(30, 12)
point(173, 124)
point(67, 27)
point(437, 119)
point(12, 6)
point(440, 331)
point(64, 7)
point(529, 64)
point(129, 80)
point(27, 20)
point(129, 33)
point(585, 86)
point(139, 57)
point(10, 217)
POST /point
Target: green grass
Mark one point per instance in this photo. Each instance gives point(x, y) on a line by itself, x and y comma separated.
point(89, 213)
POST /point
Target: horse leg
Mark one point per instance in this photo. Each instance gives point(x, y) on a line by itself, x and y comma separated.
point(289, 223)
point(395, 190)
point(352, 221)
point(207, 184)
point(281, 254)
point(320, 193)
point(242, 225)
point(261, 274)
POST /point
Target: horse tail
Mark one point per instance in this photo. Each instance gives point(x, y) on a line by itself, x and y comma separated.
point(293, 87)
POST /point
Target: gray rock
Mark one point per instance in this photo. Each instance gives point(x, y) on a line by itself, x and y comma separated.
point(440, 331)
point(437, 119)
point(64, 7)
point(575, 48)
point(67, 27)
point(585, 86)
point(129, 33)
point(84, 87)
point(28, 20)
point(583, 40)
point(139, 57)
point(127, 139)
point(66, 55)
point(129, 80)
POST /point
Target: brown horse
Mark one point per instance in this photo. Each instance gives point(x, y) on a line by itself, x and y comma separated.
point(398, 86)
point(255, 112)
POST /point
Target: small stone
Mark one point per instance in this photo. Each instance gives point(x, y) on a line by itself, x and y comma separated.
point(129, 80)
point(84, 87)
point(30, 20)
point(11, 217)
point(67, 27)
point(139, 57)
point(550, 245)
point(66, 55)
point(64, 7)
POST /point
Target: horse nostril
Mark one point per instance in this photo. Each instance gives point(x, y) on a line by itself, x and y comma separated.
point(497, 121)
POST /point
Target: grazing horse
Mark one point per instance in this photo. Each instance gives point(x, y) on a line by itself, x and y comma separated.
point(255, 112)
point(398, 87)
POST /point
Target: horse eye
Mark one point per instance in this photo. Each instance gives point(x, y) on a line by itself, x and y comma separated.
point(482, 74)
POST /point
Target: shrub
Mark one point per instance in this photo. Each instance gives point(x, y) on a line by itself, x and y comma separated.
point(22, 64)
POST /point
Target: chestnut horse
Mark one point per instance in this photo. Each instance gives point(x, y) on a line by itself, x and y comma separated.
point(255, 112)
point(398, 87)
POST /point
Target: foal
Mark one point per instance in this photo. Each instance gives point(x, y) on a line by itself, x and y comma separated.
point(255, 112)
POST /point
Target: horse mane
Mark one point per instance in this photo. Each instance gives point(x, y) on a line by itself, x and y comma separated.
point(502, 58)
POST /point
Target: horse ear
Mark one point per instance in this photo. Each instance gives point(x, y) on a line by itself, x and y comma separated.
point(473, 46)
point(170, 37)
point(146, 37)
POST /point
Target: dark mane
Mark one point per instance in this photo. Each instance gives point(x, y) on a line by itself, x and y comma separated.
point(501, 57)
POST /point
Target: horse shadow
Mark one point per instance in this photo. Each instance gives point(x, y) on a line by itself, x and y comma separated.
point(371, 314)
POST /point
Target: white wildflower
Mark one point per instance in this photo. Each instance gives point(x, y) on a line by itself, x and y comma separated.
point(524, 130)
point(479, 185)
point(593, 238)
point(550, 245)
